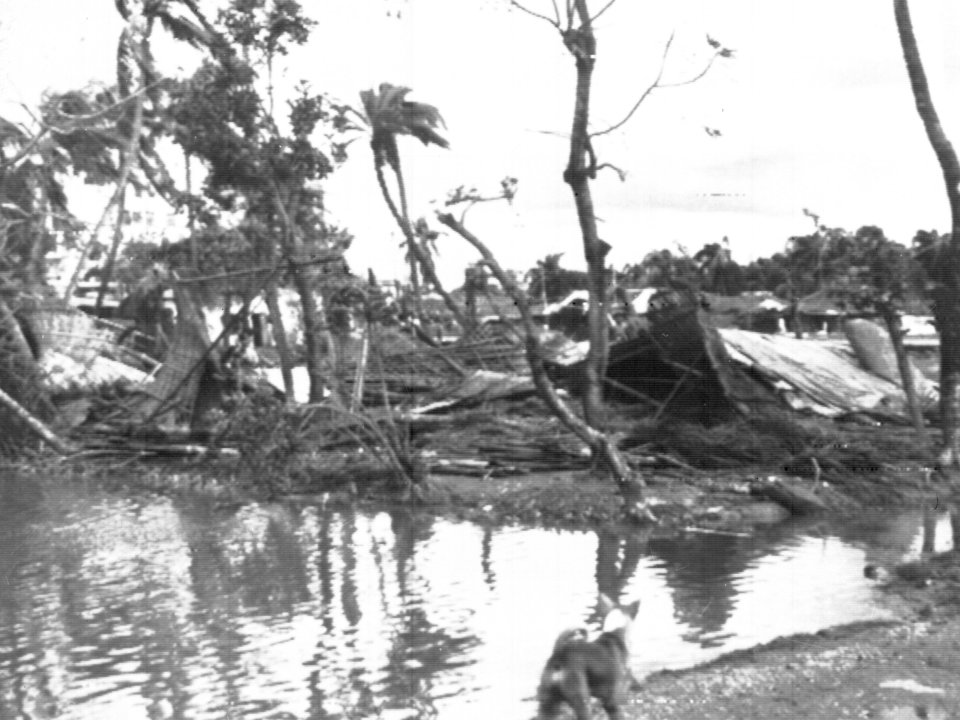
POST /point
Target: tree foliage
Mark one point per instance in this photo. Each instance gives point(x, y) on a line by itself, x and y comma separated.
point(258, 164)
point(861, 263)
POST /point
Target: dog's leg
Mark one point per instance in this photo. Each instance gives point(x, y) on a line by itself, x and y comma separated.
point(613, 710)
point(581, 707)
point(578, 697)
point(550, 702)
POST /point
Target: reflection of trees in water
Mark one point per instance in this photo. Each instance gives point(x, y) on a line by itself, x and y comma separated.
point(419, 650)
point(265, 573)
point(699, 572)
point(409, 529)
point(217, 601)
point(348, 578)
point(416, 648)
point(486, 558)
point(24, 683)
point(325, 568)
point(273, 572)
point(617, 558)
point(888, 538)
point(192, 637)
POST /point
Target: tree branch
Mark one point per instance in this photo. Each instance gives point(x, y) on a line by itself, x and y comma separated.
point(518, 6)
point(696, 77)
point(27, 149)
point(603, 10)
point(556, 11)
point(104, 111)
point(622, 174)
point(653, 86)
point(658, 84)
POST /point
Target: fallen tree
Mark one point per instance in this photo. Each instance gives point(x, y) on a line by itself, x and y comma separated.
point(603, 447)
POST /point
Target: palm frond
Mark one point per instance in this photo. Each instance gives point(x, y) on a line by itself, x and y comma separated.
point(390, 114)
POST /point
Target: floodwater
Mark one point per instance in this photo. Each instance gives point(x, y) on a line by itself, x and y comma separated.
point(155, 608)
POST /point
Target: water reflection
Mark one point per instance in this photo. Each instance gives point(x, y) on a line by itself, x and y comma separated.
point(156, 608)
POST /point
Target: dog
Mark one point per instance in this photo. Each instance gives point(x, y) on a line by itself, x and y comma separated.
point(579, 669)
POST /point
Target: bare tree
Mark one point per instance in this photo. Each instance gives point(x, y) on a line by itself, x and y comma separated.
point(946, 294)
point(576, 32)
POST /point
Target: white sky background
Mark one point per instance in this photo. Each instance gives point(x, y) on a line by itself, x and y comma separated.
point(815, 111)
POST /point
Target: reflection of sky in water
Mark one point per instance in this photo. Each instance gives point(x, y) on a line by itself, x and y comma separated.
point(114, 608)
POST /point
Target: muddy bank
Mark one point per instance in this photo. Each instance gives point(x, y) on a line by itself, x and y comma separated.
point(909, 668)
point(848, 469)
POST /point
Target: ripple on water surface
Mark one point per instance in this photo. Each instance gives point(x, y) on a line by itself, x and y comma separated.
point(158, 608)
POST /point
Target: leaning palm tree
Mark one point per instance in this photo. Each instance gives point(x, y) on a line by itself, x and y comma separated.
point(389, 114)
point(140, 85)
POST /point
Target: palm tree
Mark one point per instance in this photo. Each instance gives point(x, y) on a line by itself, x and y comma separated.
point(137, 79)
point(389, 114)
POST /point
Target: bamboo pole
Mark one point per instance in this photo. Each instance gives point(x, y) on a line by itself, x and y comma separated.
point(34, 425)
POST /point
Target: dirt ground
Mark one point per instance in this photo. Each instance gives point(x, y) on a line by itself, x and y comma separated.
point(908, 668)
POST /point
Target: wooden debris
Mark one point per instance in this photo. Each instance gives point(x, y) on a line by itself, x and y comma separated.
point(34, 425)
point(791, 494)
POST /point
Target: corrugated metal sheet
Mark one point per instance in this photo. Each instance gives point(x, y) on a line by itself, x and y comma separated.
point(814, 375)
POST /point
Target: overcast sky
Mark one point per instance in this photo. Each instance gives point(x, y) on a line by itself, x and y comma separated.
point(814, 111)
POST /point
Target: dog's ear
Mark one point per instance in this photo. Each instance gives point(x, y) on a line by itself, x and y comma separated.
point(632, 609)
point(606, 604)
